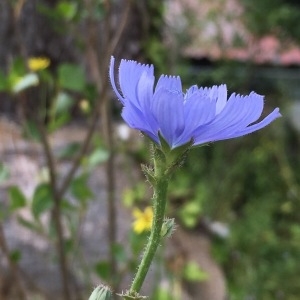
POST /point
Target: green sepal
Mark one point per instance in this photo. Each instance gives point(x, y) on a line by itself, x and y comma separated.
point(168, 228)
point(158, 154)
point(177, 157)
point(132, 296)
point(164, 145)
point(149, 173)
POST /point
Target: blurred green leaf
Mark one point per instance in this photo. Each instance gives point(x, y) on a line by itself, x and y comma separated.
point(69, 245)
point(137, 243)
point(25, 82)
point(16, 198)
point(4, 173)
point(80, 189)
point(42, 200)
point(15, 255)
point(189, 213)
point(29, 224)
point(67, 10)
point(69, 151)
point(135, 194)
point(31, 131)
point(163, 294)
point(97, 157)
point(71, 77)
point(119, 252)
point(4, 86)
point(58, 122)
point(192, 272)
point(102, 268)
point(62, 103)
point(67, 206)
point(18, 67)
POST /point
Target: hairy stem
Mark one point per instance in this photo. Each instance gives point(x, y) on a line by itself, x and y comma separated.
point(159, 199)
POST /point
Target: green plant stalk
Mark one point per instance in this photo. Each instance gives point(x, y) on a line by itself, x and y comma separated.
point(159, 206)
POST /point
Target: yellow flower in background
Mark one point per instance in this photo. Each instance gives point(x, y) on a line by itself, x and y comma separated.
point(84, 106)
point(38, 63)
point(143, 220)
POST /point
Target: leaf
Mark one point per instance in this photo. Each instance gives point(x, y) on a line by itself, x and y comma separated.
point(135, 194)
point(62, 103)
point(67, 10)
point(163, 294)
point(69, 151)
point(59, 122)
point(15, 255)
point(4, 173)
point(80, 188)
point(29, 224)
point(102, 269)
point(189, 213)
point(42, 200)
point(99, 156)
point(4, 86)
point(192, 272)
point(16, 198)
point(25, 82)
point(71, 77)
point(119, 252)
point(31, 131)
point(66, 206)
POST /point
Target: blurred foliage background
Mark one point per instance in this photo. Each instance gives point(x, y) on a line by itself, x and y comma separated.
point(249, 187)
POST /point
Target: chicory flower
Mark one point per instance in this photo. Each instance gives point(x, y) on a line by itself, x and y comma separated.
point(201, 115)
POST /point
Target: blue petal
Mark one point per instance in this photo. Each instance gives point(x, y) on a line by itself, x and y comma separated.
point(230, 112)
point(190, 91)
point(137, 120)
point(112, 79)
point(145, 91)
point(130, 74)
point(171, 83)
point(145, 98)
point(221, 98)
point(234, 119)
point(263, 123)
point(198, 111)
point(169, 112)
point(250, 109)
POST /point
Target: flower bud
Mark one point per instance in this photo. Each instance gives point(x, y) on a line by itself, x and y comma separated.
point(101, 292)
point(168, 228)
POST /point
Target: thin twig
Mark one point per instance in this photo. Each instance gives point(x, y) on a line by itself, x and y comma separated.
point(18, 286)
point(99, 73)
point(82, 152)
point(111, 41)
point(56, 212)
point(120, 29)
point(106, 117)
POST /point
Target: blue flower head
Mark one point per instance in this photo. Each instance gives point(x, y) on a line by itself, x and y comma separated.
point(200, 115)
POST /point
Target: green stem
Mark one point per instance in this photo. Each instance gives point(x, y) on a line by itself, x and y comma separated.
point(159, 198)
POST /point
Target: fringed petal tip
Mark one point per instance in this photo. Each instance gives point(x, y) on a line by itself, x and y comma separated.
point(279, 115)
point(112, 79)
point(135, 63)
